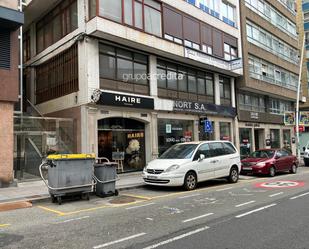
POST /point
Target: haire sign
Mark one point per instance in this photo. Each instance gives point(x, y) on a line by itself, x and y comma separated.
point(114, 99)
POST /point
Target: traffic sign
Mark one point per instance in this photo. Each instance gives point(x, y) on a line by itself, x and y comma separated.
point(208, 126)
point(280, 184)
point(301, 128)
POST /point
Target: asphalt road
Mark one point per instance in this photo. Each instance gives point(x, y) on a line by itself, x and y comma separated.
point(246, 215)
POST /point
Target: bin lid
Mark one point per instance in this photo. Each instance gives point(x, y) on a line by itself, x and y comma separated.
point(71, 156)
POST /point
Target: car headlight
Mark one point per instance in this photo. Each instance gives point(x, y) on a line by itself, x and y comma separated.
point(172, 168)
point(262, 164)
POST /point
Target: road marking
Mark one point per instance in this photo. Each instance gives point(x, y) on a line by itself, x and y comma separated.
point(298, 196)
point(118, 241)
point(51, 210)
point(149, 219)
point(222, 189)
point(145, 205)
point(255, 210)
point(243, 204)
point(198, 217)
point(280, 193)
point(75, 219)
point(138, 196)
point(188, 196)
point(177, 238)
point(4, 225)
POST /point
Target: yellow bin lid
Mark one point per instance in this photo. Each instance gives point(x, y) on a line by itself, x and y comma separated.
point(71, 156)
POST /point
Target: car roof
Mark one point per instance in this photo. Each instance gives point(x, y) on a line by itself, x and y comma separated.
point(208, 141)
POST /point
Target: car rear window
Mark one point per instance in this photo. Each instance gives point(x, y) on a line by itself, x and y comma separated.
point(229, 148)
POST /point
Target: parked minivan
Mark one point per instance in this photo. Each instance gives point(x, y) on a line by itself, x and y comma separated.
point(186, 164)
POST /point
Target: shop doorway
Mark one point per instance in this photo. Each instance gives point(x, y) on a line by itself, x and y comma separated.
point(259, 139)
point(122, 140)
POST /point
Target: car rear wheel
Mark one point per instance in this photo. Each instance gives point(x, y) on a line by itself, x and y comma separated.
point(190, 181)
point(234, 175)
point(293, 169)
point(306, 161)
point(272, 171)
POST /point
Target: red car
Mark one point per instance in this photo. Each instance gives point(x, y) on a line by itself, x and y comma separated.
point(269, 161)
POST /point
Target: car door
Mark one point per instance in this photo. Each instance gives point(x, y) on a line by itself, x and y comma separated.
point(205, 167)
point(287, 160)
point(219, 159)
point(280, 160)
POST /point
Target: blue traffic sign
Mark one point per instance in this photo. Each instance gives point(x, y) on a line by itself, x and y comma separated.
point(208, 126)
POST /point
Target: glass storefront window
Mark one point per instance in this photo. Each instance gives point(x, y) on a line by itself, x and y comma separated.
point(172, 131)
point(245, 138)
point(287, 139)
point(225, 131)
point(206, 136)
point(275, 138)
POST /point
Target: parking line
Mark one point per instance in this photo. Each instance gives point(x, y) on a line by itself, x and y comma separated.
point(138, 196)
point(223, 189)
point(75, 219)
point(243, 204)
point(255, 210)
point(198, 217)
point(177, 238)
point(188, 196)
point(118, 241)
point(280, 193)
point(4, 225)
point(51, 210)
point(145, 205)
point(298, 196)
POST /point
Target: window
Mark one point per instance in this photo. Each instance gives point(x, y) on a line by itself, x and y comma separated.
point(230, 53)
point(225, 90)
point(123, 65)
point(141, 14)
point(184, 79)
point(61, 21)
point(225, 131)
point(229, 148)
point(207, 49)
point(204, 149)
point(228, 12)
point(251, 103)
point(216, 149)
point(5, 49)
point(26, 46)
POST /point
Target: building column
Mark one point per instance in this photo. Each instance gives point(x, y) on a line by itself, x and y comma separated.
point(236, 133)
point(217, 130)
point(217, 89)
point(6, 143)
point(153, 76)
point(233, 92)
point(154, 135)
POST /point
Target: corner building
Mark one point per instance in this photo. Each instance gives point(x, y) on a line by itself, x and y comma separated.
point(268, 87)
point(101, 63)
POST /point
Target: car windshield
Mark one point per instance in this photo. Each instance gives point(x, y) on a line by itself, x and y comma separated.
point(262, 154)
point(179, 151)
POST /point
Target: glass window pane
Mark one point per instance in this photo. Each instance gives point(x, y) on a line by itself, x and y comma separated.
point(227, 91)
point(128, 10)
point(226, 48)
point(107, 66)
point(124, 54)
point(201, 86)
point(221, 90)
point(140, 73)
point(182, 82)
point(40, 40)
point(209, 87)
point(111, 9)
point(124, 69)
point(73, 16)
point(153, 4)
point(172, 80)
point(153, 21)
point(92, 8)
point(161, 77)
point(106, 49)
point(57, 28)
point(192, 84)
point(138, 11)
point(140, 57)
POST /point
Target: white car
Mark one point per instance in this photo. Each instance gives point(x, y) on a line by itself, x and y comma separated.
point(306, 154)
point(186, 164)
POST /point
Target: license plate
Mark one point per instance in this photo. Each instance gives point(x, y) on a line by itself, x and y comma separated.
point(246, 168)
point(152, 177)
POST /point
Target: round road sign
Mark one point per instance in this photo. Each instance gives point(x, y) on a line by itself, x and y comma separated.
point(280, 184)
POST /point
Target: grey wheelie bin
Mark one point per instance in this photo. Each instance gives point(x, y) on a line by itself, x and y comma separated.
point(69, 174)
point(105, 175)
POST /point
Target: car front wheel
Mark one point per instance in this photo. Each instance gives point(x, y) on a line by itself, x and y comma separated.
point(190, 181)
point(272, 171)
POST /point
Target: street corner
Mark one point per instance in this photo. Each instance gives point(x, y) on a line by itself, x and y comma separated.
point(279, 184)
point(8, 206)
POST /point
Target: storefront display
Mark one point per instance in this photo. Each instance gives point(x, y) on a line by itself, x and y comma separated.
point(225, 131)
point(172, 131)
point(245, 138)
point(123, 141)
point(275, 138)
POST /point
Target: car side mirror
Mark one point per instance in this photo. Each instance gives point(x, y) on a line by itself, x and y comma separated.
point(201, 158)
point(277, 156)
point(304, 148)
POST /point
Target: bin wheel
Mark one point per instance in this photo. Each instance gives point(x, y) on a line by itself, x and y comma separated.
point(59, 200)
point(53, 198)
point(116, 192)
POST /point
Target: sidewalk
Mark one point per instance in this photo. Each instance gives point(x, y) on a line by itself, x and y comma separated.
point(37, 190)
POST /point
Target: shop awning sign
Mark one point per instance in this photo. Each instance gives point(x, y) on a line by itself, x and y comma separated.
point(304, 118)
point(289, 118)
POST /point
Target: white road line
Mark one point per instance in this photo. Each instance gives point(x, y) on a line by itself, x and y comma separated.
point(177, 238)
point(188, 196)
point(118, 241)
point(255, 210)
point(222, 189)
point(297, 196)
point(198, 217)
point(75, 219)
point(280, 193)
point(243, 204)
point(145, 205)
